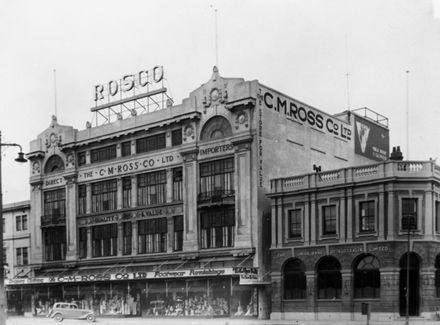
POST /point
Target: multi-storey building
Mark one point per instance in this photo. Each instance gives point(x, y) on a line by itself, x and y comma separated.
point(16, 249)
point(165, 213)
point(357, 235)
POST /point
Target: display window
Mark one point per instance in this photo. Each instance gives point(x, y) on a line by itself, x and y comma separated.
point(156, 297)
point(244, 300)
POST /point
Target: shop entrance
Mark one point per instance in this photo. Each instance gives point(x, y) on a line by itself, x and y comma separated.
point(414, 284)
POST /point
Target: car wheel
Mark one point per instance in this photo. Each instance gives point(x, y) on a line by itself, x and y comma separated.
point(91, 318)
point(58, 317)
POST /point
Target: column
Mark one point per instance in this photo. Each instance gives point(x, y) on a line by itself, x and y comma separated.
point(169, 186)
point(277, 299)
point(274, 217)
point(347, 290)
point(170, 235)
point(311, 291)
point(190, 181)
point(36, 249)
point(313, 219)
point(307, 221)
point(120, 239)
point(134, 238)
point(71, 238)
point(119, 193)
point(429, 214)
point(390, 214)
point(389, 290)
point(381, 213)
point(133, 191)
point(349, 194)
point(280, 220)
point(89, 242)
point(342, 219)
point(89, 198)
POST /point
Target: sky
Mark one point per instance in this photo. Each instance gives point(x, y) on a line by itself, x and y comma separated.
point(303, 48)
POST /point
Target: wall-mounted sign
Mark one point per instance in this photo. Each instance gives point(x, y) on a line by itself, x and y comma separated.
point(215, 150)
point(54, 182)
point(98, 277)
point(371, 140)
point(133, 165)
point(304, 114)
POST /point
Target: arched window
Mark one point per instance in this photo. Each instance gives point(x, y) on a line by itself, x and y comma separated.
point(295, 280)
point(216, 128)
point(437, 275)
point(329, 278)
point(367, 277)
point(54, 164)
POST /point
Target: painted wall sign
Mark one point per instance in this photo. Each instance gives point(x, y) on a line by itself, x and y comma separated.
point(314, 251)
point(341, 250)
point(54, 182)
point(302, 113)
point(371, 140)
point(95, 277)
point(133, 165)
point(215, 150)
point(142, 79)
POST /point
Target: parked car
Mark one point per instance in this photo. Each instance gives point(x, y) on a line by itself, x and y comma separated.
point(61, 310)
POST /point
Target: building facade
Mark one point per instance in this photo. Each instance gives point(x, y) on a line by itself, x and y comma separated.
point(345, 237)
point(165, 213)
point(16, 249)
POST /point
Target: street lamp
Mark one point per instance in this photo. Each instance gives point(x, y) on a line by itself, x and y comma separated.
point(3, 304)
point(410, 225)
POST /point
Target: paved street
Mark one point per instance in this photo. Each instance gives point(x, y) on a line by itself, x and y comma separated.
point(15, 320)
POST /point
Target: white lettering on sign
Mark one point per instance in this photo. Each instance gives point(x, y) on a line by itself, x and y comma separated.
point(130, 166)
point(128, 82)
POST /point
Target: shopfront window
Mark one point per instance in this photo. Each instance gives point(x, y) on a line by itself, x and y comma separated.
point(329, 278)
point(55, 205)
point(177, 184)
point(126, 192)
point(295, 280)
point(105, 240)
point(104, 196)
point(156, 297)
point(127, 238)
point(217, 227)
point(244, 300)
point(54, 243)
point(152, 236)
point(82, 242)
point(82, 199)
point(151, 188)
point(217, 179)
point(367, 216)
point(367, 278)
point(178, 233)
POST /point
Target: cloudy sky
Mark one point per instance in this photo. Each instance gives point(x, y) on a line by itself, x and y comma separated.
point(303, 48)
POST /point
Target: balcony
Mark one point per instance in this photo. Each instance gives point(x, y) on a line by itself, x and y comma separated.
point(216, 196)
point(388, 169)
point(53, 220)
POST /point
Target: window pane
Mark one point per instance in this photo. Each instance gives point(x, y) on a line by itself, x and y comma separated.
point(295, 226)
point(103, 154)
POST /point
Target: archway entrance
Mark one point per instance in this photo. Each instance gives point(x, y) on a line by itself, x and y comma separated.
point(414, 284)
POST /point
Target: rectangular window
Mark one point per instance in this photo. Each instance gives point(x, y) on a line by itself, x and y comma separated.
point(54, 243)
point(127, 233)
point(21, 222)
point(151, 188)
point(126, 192)
point(5, 257)
point(55, 205)
point(18, 223)
point(126, 148)
point(22, 256)
point(151, 143)
point(104, 196)
point(81, 158)
point(152, 236)
point(24, 222)
point(329, 220)
point(177, 184)
point(176, 137)
point(295, 223)
point(409, 214)
point(217, 179)
point(103, 154)
point(437, 215)
point(82, 242)
point(4, 225)
point(178, 233)
point(82, 199)
point(105, 240)
point(367, 218)
point(217, 227)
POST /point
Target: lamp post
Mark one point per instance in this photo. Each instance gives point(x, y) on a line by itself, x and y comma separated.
point(3, 303)
point(411, 224)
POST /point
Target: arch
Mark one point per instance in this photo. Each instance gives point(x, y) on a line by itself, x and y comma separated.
point(294, 276)
point(413, 275)
point(329, 278)
point(366, 277)
point(54, 164)
point(217, 127)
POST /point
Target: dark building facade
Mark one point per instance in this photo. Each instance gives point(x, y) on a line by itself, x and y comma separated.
point(355, 235)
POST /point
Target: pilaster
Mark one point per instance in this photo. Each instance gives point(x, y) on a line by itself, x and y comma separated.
point(36, 249)
point(71, 239)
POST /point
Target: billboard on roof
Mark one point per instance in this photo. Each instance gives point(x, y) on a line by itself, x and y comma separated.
point(371, 139)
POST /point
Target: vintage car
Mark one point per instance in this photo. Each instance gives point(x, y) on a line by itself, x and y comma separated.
point(61, 310)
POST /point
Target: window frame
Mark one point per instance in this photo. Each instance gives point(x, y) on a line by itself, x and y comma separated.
point(326, 233)
point(417, 200)
point(103, 154)
point(374, 217)
point(290, 235)
point(151, 143)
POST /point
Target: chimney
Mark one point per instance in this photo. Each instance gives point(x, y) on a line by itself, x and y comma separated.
point(396, 154)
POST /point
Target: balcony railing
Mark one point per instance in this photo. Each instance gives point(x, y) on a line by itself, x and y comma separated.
point(386, 169)
point(216, 195)
point(53, 220)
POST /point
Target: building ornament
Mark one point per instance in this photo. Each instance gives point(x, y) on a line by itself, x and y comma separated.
point(70, 160)
point(188, 132)
point(36, 168)
point(53, 139)
point(242, 118)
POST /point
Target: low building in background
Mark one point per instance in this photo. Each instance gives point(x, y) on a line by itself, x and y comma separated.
point(163, 212)
point(16, 250)
point(340, 239)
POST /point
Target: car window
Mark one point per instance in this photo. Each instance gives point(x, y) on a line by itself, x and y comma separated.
point(74, 306)
point(63, 306)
